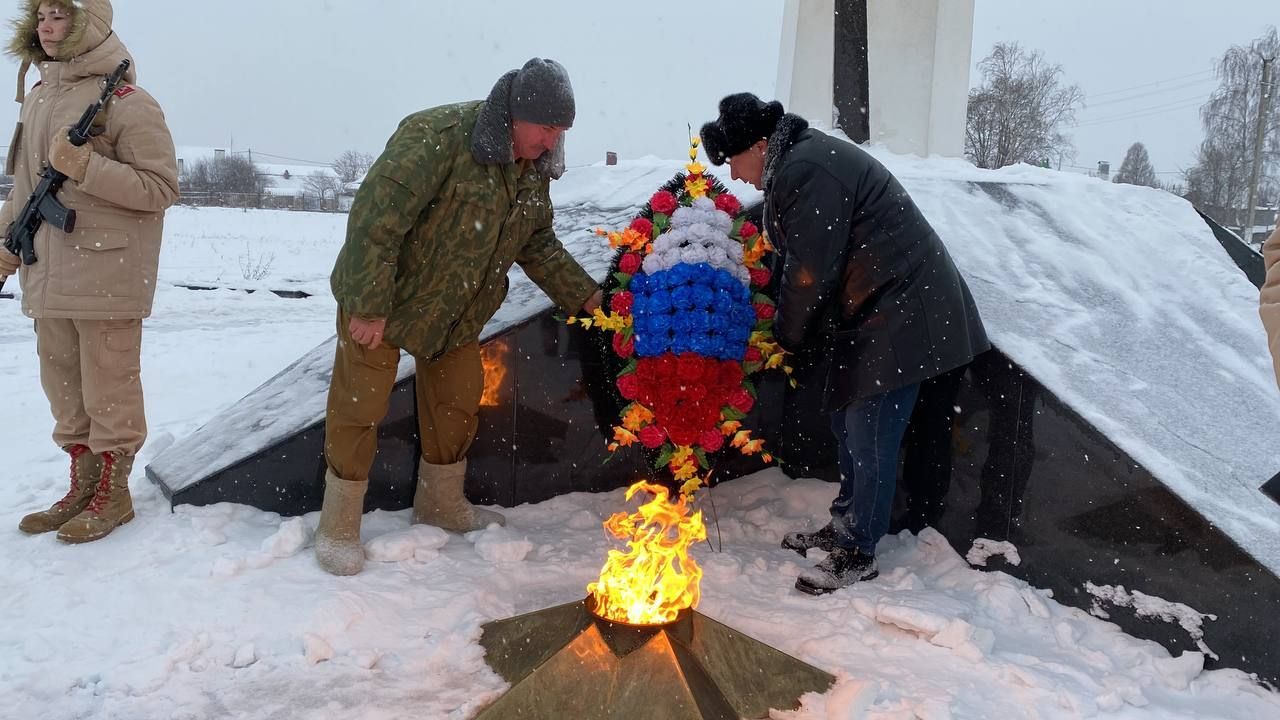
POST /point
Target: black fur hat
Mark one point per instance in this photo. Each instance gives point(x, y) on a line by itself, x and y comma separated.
point(744, 120)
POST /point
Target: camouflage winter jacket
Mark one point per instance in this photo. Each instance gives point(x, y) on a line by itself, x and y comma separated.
point(433, 232)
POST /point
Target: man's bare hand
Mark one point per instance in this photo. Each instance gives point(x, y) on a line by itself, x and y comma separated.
point(593, 302)
point(367, 332)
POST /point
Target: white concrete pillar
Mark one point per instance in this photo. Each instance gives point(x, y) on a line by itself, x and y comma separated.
point(918, 56)
point(918, 66)
point(806, 59)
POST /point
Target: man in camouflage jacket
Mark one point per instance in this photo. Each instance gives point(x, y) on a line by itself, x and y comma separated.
point(460, 193)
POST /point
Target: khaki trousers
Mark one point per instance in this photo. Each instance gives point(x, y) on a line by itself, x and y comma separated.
point(91, 373)
point(447, 392)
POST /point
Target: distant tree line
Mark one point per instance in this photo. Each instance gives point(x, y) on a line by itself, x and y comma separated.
point(235, 180)
point(1022, 107)
point(1219, 181)
point(223, 174)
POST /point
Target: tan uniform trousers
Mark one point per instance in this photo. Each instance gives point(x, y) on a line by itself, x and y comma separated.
point(448, 393)
point(91, 373)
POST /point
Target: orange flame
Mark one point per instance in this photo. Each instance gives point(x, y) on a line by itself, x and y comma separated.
point(655, 579)
point(493, 356)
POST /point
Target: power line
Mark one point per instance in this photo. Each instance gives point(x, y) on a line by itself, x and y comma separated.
point(1157, 172)
point(282, 157)
point(1145, 112)
point(1149, 93)
point(1115, 112)
point(1146, 85)
point(1141, 115)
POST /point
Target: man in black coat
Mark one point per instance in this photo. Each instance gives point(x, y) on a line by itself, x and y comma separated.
point(865, 277)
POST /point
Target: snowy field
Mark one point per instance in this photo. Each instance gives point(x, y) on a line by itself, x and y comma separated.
point(222, 611)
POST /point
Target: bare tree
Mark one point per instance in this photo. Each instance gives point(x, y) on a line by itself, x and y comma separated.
point(225, 174)
point(1219, 182)
point(1018, 112)
point(1136, 168)
point(352, 165)
point(322, 184)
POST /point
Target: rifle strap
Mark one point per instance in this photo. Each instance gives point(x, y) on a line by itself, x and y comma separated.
point(11, 158)
point(22, 80)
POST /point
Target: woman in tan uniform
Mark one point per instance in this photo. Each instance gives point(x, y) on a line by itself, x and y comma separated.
point(1270, 297)
point(89, 289)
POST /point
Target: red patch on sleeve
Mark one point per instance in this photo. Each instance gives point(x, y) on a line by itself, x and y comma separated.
point(124, 91)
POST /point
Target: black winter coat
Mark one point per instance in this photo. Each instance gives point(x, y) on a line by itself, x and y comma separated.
point(862, 273)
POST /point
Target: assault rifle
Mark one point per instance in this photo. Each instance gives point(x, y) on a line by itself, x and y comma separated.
point(43, 205)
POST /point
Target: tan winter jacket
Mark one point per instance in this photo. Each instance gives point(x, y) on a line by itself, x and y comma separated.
point(106, 267)
point(1270, 298)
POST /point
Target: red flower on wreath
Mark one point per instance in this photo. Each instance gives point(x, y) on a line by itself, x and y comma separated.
point(727, 203)
point(629, 386)
point(682, 434)
point(624, 349)
point(651, 436)
point(689, 368)
point(630, 263)
point(663, 202)
point(644, 226)
point(753, 355)
point(748, 230)
point(741, 400)
point(710, 374)
point(711, 440)
point(760, 276)
point(730, 374)
point(764, 311)
point(664, 368)
point(621, 302)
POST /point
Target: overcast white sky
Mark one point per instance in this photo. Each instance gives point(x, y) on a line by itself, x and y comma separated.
point(308, 79)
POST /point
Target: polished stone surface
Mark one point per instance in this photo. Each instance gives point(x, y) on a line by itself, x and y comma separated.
point(1272, 488)
point(1029, 470)
point(564, 662)
point(1243, 255)
point(851, 74)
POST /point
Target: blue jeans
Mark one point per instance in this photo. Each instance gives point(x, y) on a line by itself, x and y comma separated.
point(868, 436)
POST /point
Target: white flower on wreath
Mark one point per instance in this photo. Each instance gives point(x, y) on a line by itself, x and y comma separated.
point(698, 234)
point(703, 210)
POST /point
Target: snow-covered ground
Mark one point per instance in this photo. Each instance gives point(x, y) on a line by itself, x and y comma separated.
point(222, 612)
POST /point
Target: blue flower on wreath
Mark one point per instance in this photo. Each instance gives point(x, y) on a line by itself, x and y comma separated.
point(639, 284)
point(694, 308)
point(682, 298)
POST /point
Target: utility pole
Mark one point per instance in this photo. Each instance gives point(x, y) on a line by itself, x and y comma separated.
point(1263, 103)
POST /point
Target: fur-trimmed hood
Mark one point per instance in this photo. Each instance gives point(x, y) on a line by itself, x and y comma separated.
point(491, 139)
point(780, 141)
point(90, 48)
